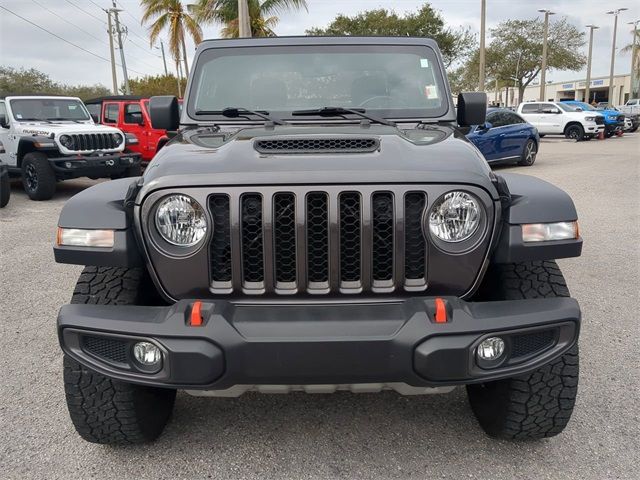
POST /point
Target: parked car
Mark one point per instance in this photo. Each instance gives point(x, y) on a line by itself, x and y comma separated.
point(613, 120)
point(631, 119)
point(130, 114)
point(319, 227)
point(632, 106)
point(558, 118)
point(506, 137)
point(48, 139)
point(5, 184)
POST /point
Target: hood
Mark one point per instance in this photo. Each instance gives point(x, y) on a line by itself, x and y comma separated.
point(58, 128)
point(434, 154)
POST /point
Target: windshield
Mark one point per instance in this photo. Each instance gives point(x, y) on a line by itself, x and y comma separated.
point(48, 109)
point(389, 81)
point(570, 108)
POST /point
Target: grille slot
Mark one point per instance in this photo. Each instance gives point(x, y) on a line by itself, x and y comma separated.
point(317, 145)
point(252, 239)
point(350, 238)
point(284, 229)
point(304, 241)
point(414, 242)
point(220, 247)
point(92, 141)
point(527, 344)
point(109, 349)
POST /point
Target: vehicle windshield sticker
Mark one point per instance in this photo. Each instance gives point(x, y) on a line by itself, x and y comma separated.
point(431, 91)
point(424, 63)
point(18, 116)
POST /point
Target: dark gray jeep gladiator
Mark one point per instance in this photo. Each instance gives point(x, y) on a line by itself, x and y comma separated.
point(319, 222)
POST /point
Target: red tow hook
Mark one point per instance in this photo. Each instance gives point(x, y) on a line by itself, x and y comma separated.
point(195, 320)
point(441, 311)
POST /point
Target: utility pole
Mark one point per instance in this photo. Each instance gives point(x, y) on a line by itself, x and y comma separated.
point(483, 14)
point(634, 77)
point(543, 69)
point(613, 50)
point(588, 85)
point(164, 60)
point(179, 74)
point(113, 60)
point(120, 31)
point(244, 23)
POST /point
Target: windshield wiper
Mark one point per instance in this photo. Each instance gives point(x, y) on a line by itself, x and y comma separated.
point(235, 112)
point(62, 119)
point(339, 111)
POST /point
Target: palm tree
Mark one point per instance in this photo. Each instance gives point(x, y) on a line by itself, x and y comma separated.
point(262, 14)
point(629, 47)
point(171, 14)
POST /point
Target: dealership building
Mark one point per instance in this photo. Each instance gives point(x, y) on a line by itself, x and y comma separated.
point(568, 90)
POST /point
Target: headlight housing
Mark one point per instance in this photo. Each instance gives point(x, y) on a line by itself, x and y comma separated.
point(180, 220)
point(455, 217)
point(66, 141)
point(590, 119)
point(117, 139)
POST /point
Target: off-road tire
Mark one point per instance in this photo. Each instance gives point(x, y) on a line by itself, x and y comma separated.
point(634, 129)
point(538, 404)
point(5, 190)
point(104, 410)
point(38, 178)
point(574, 132)
point(529, 153)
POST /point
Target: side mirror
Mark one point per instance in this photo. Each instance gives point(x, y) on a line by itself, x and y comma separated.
point(579, 109)
point(164, 112)
point(550, 110)
point(3, 121)
point(472, 108)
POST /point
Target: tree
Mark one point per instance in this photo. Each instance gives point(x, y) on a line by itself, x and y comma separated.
point(262, 14)
point(16, 82)
point(172, 15)
point(515, 50)
point(156, 85)
point(426, 22)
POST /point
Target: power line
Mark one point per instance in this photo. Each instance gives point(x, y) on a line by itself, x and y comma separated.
point(67, 21)
point(61, 38)
point(85, 12)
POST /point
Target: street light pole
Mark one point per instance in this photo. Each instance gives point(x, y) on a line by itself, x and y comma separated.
point(244, 24)
point(588, 85)
point(483, 14)
point(613, 50)
point(543, 69)
point(634, 68)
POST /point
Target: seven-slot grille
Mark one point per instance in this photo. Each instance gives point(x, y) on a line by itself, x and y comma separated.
point(318, 241)
point(92, 141)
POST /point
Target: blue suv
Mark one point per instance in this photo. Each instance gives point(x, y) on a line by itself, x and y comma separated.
point(613, 119)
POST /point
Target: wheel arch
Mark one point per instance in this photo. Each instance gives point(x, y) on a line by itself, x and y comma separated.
point(30, 145)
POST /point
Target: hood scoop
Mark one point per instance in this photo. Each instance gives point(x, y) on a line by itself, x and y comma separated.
point(301, 145)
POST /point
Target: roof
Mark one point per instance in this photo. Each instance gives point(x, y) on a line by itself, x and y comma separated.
point(316, 40)
point(115, 97)
point(37, 95)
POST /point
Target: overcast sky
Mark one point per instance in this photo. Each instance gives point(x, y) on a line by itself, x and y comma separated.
point(83, 23)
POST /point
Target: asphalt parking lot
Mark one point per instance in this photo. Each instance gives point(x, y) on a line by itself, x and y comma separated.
point(341, 435)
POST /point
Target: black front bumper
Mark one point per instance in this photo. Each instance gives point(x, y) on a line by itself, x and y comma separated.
point(96, 165)
point(614, 127)
point(318, 344)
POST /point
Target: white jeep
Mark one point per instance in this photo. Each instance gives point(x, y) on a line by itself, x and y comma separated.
point(48, 138)
point(558, 118)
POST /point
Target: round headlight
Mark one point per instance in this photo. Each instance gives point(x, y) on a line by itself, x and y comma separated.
point(117, 138)
point(66, 141)
point(454, 217)
point(181, 221)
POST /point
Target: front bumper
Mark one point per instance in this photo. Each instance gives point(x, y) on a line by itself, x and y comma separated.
point(96, 165)
point(318, 344)
point(614, 127)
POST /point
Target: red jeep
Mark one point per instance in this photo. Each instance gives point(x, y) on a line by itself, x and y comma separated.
point(130, 114)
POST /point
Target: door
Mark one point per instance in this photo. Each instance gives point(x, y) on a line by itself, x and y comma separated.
point(515, 134)
point(7, 138)
point(532, 113)
point(111, 114)
point(133, 122)
point(551, 118)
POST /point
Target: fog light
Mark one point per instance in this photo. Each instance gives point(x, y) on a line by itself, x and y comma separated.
point(490, 349)
point(67, 164)
point(147, 354)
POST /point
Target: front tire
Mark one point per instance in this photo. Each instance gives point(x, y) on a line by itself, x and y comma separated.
point(574, 132)
point(538, 404)
point(5, 190)
point(104, 410)
point(529, 153)
point(38, 178)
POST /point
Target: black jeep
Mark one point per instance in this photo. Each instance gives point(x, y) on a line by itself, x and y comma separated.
point(319, 223)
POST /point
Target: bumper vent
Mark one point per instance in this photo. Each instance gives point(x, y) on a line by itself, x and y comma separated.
point(331, 241)
point(92, 141)
point(531, 343)
point(109, 349)
point(317, 145)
